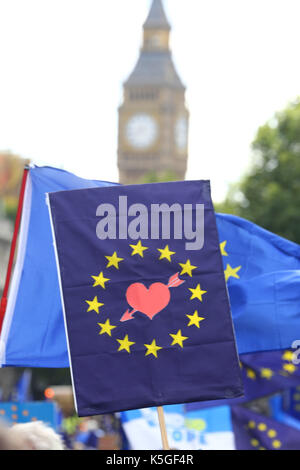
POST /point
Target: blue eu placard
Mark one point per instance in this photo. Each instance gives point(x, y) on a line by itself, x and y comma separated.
point(144, 295)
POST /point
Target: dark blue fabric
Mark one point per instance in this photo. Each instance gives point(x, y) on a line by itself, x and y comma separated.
point(263, 374)
point(291, 402)
point(108, 380)
point(253, 431)
point(269, 372)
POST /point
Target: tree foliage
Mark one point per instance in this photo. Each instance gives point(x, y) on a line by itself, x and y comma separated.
point(269, 194)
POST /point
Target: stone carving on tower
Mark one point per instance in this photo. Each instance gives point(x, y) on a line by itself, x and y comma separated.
point(153, 119)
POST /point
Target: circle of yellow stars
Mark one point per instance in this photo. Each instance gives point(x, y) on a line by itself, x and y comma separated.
point(165, 254)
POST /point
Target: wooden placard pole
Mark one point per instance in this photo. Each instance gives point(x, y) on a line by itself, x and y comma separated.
point(163, 429)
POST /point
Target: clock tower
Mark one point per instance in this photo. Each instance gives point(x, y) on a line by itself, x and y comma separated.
point(153, 119)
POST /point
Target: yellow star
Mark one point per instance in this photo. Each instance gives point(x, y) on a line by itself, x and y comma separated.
point(138, 249)
point(195, 319)
point(100, 280)
point(113, 260)
point(266, 373)
point(251, 374)
point(289, 368)
point(262, 427)
point(106, 328)
point(251, 424)
point(187, 268)
point(254, 442)
point(197, 293)
point(276, 444)
point(125, 344)
point(231, 272)
point(178, 339)
point(94, 305)
point(288, 356)
point(222, 247)
point(272, 433)
point(152, 348)
point(166, 253)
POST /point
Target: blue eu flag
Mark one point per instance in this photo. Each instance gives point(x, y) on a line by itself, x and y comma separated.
point(269, 372)
point(146, 305)
point(263, 374)
point(263, 275)
point(253, 431)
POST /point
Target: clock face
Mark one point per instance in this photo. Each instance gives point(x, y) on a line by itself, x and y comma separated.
point(181, 133)
point(141, 131)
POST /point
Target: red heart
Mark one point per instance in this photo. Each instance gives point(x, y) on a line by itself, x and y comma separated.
point(148, 301)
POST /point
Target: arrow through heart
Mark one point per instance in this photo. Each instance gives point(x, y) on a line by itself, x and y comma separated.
point(150, 301)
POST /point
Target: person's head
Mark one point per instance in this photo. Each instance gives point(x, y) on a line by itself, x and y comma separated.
point(29, 436)
point(7, 441)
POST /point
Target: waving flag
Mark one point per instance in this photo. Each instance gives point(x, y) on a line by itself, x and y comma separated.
point(256, 432)
point(263, 275)
point(147, 314)
point(33, 333)
point(263, 374)
point(270, 371)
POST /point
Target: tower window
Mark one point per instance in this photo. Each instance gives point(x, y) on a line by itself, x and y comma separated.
point(143, 95)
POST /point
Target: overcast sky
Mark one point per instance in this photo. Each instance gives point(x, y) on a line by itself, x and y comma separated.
point(62, 64)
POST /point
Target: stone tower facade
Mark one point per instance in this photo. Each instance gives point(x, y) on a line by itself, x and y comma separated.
point(153, 119)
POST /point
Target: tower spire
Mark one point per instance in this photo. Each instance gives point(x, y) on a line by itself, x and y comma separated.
point(153, 119)
point(157, 18)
